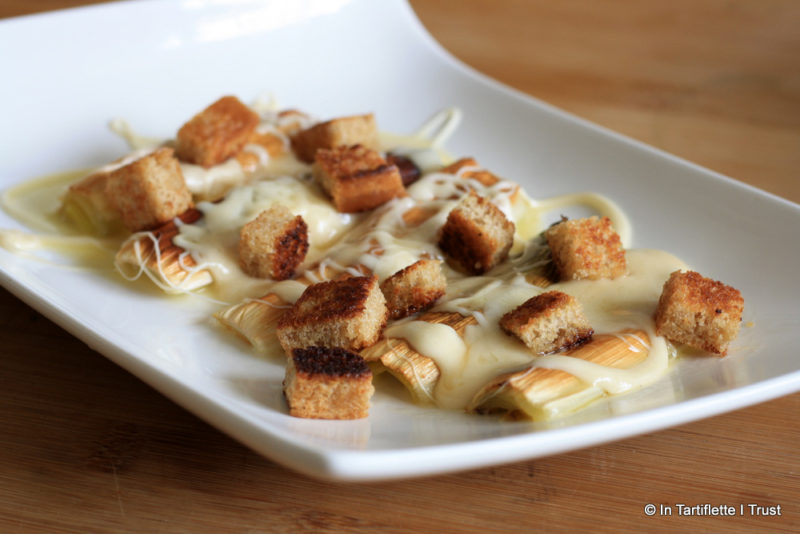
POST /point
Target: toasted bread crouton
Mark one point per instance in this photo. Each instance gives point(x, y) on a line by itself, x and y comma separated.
point(548, 322)
point(327, 383)
point(357, 178)
point(476, 173)
point(355, 130)
point(348, 314)
point(273, 244)
point(700, 312)
point(476, 236)
point(414, 288)
point(216, 133)
point(586, 249)
point(149, 191)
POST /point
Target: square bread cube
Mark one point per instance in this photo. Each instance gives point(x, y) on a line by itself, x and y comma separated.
point(414, 288)
point(348, 313)
point(216, 133)
point(549, 322)
point(343, 131)
point(477, 235)
point(149, 191)
point(698, 311)
point(586, 249)
point(327, 383)
point(356, 178)
point(273, 244)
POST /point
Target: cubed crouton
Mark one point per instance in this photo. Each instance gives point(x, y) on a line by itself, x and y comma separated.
point(477, 235)
point(548, 322)
point(273, 244)
point(700, 312)
point(414, 289)
point(216, 133)
point(327, 383)
point(355, 130)
point(586, 249)
point(348, 314)
point(357, 178)
point(469, 168)
point(149, 191)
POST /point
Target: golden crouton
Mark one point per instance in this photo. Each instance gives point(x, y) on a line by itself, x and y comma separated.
point(216, 133)
point(273, 244)
point(327, 383)
point(357, 178)
point(149, 191)
point(476, 236)
point(348, 314)
point(699, 312)
point(414, 288)
point(586, 249)
point(548, 322)
point(355, 130)
point(482, 175)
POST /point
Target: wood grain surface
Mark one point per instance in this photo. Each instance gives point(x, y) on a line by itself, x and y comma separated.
point(86, 447)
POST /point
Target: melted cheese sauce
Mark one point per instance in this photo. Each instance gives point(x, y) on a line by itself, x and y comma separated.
point(383, 242)
point(609, 305)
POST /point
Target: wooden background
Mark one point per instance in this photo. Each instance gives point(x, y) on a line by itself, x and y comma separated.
point(86, 447)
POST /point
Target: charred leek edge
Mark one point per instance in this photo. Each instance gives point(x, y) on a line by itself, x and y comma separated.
point(153, 254)
point(417, 372)
point(542, 394)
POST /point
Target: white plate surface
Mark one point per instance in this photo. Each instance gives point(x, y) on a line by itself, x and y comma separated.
point(157, 63)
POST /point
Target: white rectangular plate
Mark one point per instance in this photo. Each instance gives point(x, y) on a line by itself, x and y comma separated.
point(156, 64)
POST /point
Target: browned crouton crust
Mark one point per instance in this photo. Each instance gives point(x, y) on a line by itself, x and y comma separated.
point(273, 244)
point(149, 191)
point(548, 322)
point(482, 175)
point(476, 236)
point(216, 133)
point(348, 313)
point(698, 311)
point(354, 130)
point(586, 249)
point(327, 383)
point(357, 178)
point(414, 288)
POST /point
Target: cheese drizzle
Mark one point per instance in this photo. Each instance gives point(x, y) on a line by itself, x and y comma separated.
point(383, 242)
